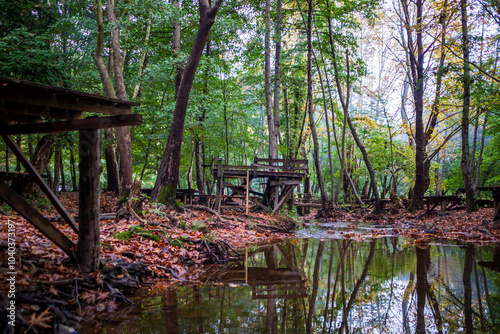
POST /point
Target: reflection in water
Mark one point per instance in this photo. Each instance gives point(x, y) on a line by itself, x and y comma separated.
point(334, 286)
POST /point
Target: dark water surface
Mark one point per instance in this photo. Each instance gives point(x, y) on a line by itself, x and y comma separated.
point(384, 285)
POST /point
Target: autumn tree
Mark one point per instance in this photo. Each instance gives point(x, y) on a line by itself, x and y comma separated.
point(168, 174)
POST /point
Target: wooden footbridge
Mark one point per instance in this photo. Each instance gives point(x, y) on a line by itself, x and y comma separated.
point(279, 177)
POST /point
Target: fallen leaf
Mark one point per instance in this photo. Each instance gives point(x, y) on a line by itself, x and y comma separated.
point(41, 320)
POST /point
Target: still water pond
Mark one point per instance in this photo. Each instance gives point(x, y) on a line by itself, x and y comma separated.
point(384, 285)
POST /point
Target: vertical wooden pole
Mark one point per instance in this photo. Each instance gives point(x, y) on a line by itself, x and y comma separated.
point(247, 191)
point(496, 203)
point(88, 254)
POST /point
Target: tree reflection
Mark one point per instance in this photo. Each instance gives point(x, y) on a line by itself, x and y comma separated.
point(169, 307)
point(469, 262)
point(338, 286)
point(360, 281)
point(423, 263)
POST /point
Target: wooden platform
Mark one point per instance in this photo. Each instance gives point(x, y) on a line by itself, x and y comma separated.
point(280, 177)
point(495, 193)
point(446, 202)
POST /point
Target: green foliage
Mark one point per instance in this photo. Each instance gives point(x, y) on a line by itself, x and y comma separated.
point(135, 230)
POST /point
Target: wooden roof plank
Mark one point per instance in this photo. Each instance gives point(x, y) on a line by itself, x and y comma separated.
point(72, 125)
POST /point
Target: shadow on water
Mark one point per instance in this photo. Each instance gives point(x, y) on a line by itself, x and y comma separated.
point(384, 285)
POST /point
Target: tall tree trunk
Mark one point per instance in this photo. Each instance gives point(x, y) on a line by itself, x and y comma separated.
point(176, 48)
point(198, 152)
point(312, 125)
point(345, 107)
point(435, 108)
point(123, 139)
point(273, 144)
point(417, 76)
point(333, 199)
point(466, 170)
point(277, 73)
point(168, 174)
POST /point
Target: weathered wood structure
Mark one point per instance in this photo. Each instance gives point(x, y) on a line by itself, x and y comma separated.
point(495, 193)
point(28, 108)
point(279, 176)
point(447, 202)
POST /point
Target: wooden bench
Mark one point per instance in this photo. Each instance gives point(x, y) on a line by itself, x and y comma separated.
point(447, 202)
point(495, 193)
point(186, 195)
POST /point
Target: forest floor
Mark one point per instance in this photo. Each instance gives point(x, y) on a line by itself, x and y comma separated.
point(170, 246)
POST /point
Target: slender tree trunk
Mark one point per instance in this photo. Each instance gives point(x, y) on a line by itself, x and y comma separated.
point(417, 74)
point(7, 160)
point(18, 162)
point(435, 108)
point(481, 148)
point(176, 48)
point(345, 107)
point(168, 173)
point(312, 125)
point(72, 168)
point(57, 168)
point(466, 170)
point(277, 72)
point(333, 199)
point(63, 178)
point(273, 144)
point(142, 61)
point(198, 152)
point(123, 139)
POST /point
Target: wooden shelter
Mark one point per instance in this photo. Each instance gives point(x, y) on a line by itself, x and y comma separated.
point(28, 108)
point(280, 177)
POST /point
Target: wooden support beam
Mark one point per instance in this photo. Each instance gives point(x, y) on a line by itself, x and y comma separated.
point(72, 125)
point(293, 161)
point(284, 182)
point(260, 205)
point(41, 183)
point(282, 200)
point(36, 219)
point(20, 110)
point(88, 251)
point(247, 193)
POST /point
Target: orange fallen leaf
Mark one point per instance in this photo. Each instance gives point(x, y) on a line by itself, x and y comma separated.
point(41, 320)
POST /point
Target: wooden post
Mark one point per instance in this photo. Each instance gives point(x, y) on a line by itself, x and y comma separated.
point(496, 203)
point(247, 190)
point(88, 253)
